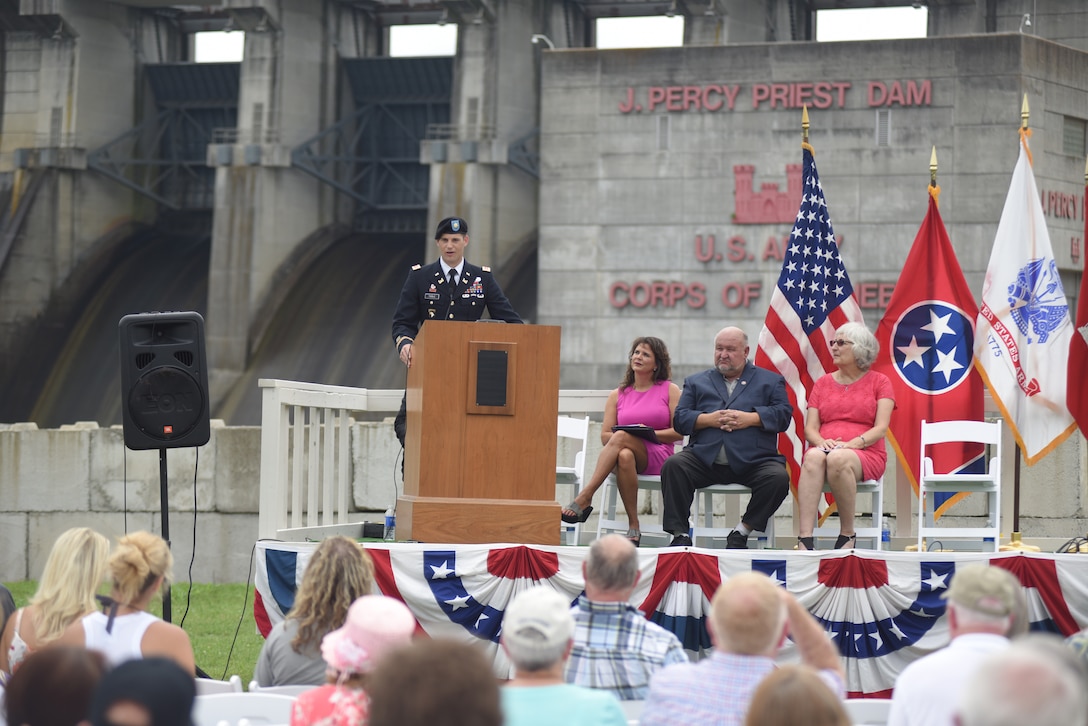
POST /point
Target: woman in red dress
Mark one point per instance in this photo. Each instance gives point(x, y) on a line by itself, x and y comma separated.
point(848, 413)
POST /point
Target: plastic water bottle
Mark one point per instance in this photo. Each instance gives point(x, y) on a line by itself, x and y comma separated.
point(885, 531)
point(389, 534)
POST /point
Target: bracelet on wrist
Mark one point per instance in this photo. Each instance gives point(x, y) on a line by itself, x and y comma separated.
point(863, 444)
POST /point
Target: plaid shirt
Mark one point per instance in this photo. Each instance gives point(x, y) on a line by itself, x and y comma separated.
point(617, 649)
point(713, 692)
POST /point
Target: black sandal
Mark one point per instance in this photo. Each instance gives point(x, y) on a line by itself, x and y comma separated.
point(635, 536)
point(580, 515)
point(846, 539)
point(809, 543)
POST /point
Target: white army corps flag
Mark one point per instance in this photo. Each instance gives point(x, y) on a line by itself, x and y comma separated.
point(1023, 329)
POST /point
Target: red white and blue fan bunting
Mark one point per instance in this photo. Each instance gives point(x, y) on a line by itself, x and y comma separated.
point(883, 610)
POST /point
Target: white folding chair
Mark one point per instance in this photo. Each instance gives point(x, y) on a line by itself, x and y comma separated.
point(868, 711)
point(702, 512)
point(929, 481)
point(576, 429)
point(206, 686)
point(292, 691)
point(704, 507)
point(607, 520)
point(256, 708)
point(875, 489)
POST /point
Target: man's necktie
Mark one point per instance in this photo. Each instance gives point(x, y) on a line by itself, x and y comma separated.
point(453, 279)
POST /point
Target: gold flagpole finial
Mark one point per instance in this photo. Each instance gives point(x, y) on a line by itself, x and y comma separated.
point(1024, 113)
point(804, 124)
point(933, 168)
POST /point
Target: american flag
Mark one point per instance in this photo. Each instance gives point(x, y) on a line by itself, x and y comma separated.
point(813, 297)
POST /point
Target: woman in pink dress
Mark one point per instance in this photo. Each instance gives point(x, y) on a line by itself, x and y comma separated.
point(375, 625)
point(645, 397)
point(848, 413)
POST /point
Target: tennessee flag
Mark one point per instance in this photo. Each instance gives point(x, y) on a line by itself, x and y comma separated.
point(1023, 330)
point(926, 349)
point(813, 297)
point(1077, 396)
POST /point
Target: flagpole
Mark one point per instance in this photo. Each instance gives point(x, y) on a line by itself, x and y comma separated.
point(1015, 543)
point(934, 190)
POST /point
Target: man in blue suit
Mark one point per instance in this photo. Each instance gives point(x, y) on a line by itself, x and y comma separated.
point(732, 414)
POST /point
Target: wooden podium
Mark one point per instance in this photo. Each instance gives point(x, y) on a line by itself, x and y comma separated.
point(479, 462)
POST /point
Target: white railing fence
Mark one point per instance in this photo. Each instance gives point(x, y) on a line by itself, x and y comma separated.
point(306, 452)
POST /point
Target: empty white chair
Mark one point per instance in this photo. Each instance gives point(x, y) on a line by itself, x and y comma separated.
point(930, 481)
point(576, 429)
point(282, 690)
point(874, 488)
point(206, 686)
point(256, 708)
point(868, 711)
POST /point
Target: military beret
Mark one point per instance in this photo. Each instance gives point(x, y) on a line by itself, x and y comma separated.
point(451, 225)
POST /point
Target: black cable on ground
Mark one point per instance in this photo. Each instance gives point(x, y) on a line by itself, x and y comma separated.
point(242, 617)
point(192, 558)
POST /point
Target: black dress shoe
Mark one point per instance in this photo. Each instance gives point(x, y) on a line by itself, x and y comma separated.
point(736, 541)
point(680, 540)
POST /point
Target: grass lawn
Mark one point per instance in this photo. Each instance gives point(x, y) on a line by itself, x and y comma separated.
point(212, 621)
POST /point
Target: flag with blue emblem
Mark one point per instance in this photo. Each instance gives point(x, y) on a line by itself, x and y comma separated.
point(926, 350)
point(812, 299)
point(1023, 330)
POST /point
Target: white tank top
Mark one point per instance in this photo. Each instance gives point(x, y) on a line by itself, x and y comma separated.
point(123, 643)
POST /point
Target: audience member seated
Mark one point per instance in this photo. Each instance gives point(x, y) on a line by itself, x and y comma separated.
point(983, 603)
point(615, 647)
point(73, 573)
point(795, 694)
point(53, 687)
point(139, 567)
point(1022, 684)
point(375, 625)
point(339, 573)
point(647, 398)
point(7, 606)
point(536, 636)
point(149, 692)
point(750, 618)
point(437, 683)
point(849, 411)
point(1053, 644)
point(732, 414)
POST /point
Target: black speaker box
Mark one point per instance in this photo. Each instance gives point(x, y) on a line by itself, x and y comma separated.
point(164, 380)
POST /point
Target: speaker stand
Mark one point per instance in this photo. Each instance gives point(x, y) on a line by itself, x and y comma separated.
point(164, 496)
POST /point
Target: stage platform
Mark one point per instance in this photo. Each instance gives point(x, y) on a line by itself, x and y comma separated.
point(882, 609)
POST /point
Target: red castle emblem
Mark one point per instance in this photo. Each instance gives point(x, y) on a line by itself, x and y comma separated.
point(768, 205)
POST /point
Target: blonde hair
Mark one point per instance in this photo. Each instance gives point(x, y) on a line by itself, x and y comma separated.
point(139, 560)
point(339, 572)
point(747, 614)
point(75, 569)
point(794, 694)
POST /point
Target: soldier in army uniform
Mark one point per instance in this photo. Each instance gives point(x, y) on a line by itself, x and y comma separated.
point(448, 289)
